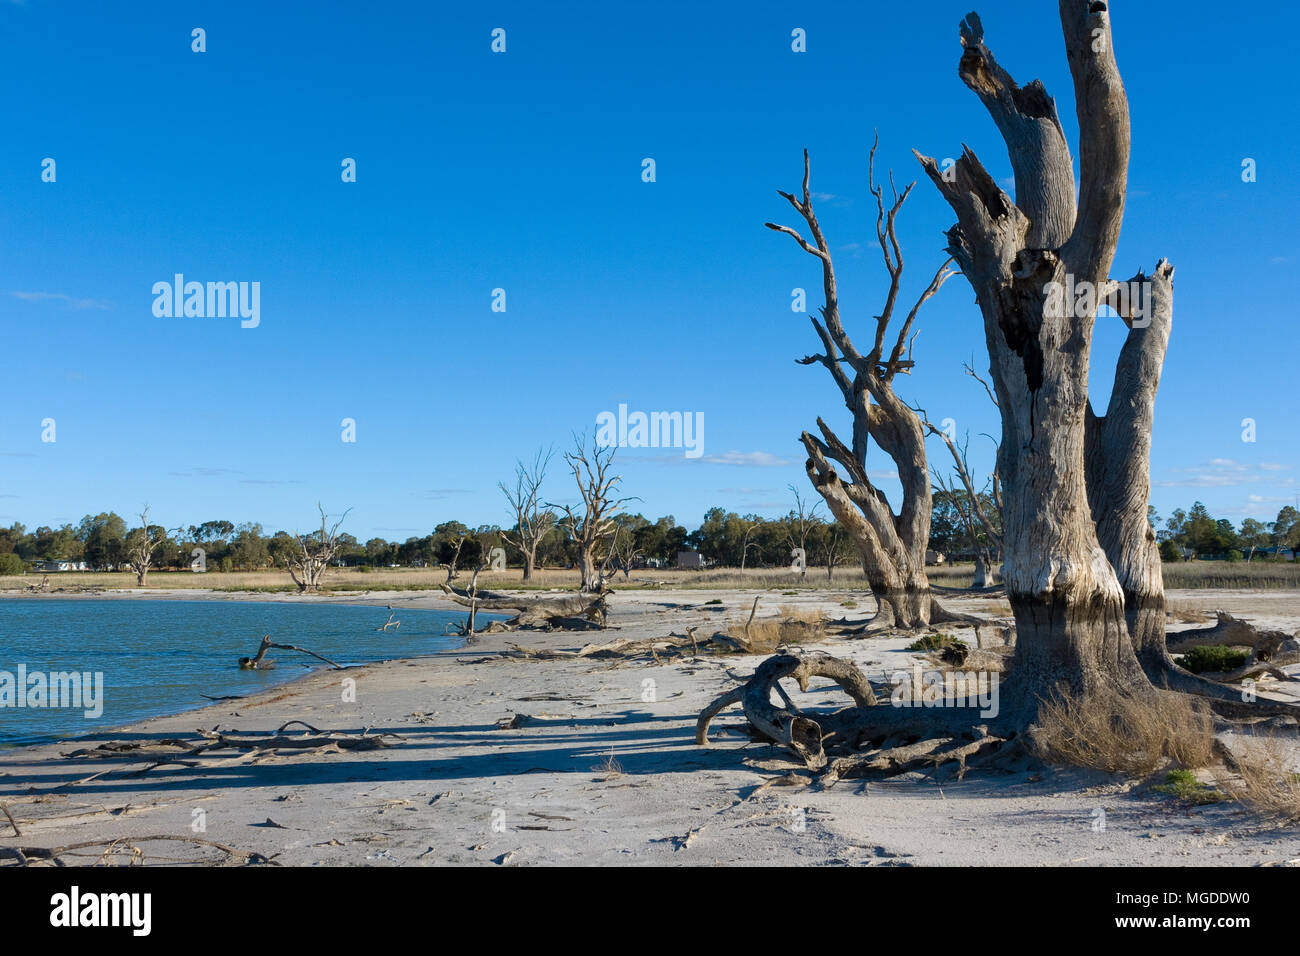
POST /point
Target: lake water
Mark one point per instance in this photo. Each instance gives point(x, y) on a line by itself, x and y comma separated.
point(160, 657)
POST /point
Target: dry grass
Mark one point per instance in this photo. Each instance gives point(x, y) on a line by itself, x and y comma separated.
point(1185, 613)
point(428, 579)
point(610, 768)
point(1123, 734)
point(791, 626)
point(1231, 575)
point(1189, 574)
point(1266, 780)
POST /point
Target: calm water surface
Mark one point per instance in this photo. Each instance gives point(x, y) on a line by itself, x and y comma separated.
point(160, 657)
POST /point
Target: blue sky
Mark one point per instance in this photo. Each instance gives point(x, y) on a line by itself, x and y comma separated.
point(522, 171)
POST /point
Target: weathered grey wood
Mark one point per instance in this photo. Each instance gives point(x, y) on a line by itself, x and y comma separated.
point(892, 545)
point(1064, 589)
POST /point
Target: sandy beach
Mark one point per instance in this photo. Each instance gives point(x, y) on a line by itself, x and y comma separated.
point(506, 761)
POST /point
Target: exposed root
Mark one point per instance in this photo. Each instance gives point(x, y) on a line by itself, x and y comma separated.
point(1231, 632)
point(940, 615)
point(1270, 650)
point(733, 696)
point(1233, 702)
point(924, 753)
point(807, 738)
point(801, 734)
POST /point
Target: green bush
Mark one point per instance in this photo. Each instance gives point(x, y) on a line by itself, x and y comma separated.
point(10, 563)
point(1214, 658)
point(935, 642)
point(1184, 785)
point(1169, 551)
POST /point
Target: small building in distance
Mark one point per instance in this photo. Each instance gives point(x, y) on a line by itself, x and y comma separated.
point(59, 564)
point(690, 559)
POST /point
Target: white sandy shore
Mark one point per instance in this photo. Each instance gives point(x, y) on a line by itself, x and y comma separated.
point(452, 788)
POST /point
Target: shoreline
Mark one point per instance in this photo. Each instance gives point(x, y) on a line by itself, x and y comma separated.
point(497, 760)
point(201, 595)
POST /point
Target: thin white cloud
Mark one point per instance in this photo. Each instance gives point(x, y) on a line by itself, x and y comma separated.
point(754, 459)
point(203, 472)
point(437, 494)
point(1227, 473)
point(73, 302)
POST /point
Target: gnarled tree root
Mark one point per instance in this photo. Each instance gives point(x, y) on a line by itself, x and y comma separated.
point(786, 726)
point(929, 752)
point(948, 734)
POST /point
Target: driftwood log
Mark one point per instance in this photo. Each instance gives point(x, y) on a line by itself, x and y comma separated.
point(787, 726)
point(865, 738)
point(1270, 650)
point(565, 611)
point(259, 662)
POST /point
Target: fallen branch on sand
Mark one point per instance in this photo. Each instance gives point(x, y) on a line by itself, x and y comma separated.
point(173, 751)
point(564, 612)
point(896, 729)
point(131, 847)
point(259, 662)
point(1270, 650)
point(659, 649)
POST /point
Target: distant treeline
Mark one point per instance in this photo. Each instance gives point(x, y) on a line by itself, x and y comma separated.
point(724, 538)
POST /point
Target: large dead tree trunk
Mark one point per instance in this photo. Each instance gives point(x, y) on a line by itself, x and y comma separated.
point(1077, 540)
point(892, 546)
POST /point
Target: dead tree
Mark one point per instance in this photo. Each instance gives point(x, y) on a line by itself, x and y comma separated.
point(452, 573)
point(593, 527)
point(532, 521)
point(1081, 563)
point(835, 539)
point(752, 527)
point(892, 546)
point(141, 545)
point(315, 551)
point(798, 525)
point(971, 505)
point(622, 554)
